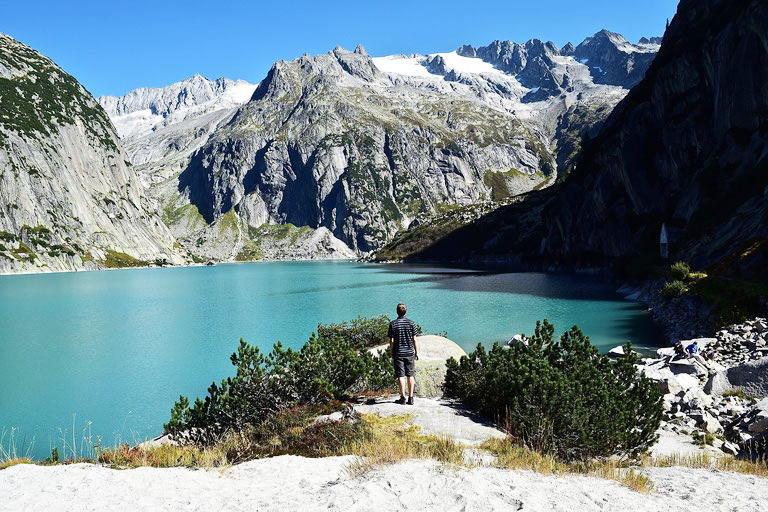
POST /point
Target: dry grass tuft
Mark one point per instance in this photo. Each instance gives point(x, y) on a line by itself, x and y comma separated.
point(706, 460)
point(394, 439)
point(165, 456)
point(15, 462)
point(515, 456)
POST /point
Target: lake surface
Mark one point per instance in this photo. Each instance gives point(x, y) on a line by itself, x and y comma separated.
point(117, 348)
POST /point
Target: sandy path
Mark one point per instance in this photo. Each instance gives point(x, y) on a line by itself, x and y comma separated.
point(294, 483)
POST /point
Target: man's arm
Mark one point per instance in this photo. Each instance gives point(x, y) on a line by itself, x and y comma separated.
point(391, 347)
point(415, 348)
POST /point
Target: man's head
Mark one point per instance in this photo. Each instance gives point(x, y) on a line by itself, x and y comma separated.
point(401, 309)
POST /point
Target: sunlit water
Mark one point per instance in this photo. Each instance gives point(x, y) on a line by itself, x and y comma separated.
point(117, 348)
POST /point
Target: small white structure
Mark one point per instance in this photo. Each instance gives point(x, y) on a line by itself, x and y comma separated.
point(664, 243)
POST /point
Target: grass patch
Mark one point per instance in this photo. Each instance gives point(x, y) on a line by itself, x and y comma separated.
point(15, 462)
point(250, 252)
point(704, 460)
point(703, 439)
point(515, 456)
point(165, 456)
point(116, 259)
point(188, 212)
point(498, 181)
point(738, 393)
point(394, 439)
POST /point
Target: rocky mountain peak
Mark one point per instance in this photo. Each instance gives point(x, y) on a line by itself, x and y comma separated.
point(146, 109)
point(614, 60)
point(653, 40)
point(363, 146)
point(357, 63)
point(568, 49)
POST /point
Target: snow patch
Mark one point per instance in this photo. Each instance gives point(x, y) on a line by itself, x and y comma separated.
point(415, 65)
point(463, 64)
point(403, 65)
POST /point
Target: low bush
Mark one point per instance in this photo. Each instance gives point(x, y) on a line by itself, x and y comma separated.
point(327, 367)
point(679, 271)
point(360, 333)
point(673, 289)
point(561, 397)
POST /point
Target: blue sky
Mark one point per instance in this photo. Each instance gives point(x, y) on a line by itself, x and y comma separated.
point(114, 46)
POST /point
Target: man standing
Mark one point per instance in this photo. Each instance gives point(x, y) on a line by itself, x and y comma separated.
point(402, 346)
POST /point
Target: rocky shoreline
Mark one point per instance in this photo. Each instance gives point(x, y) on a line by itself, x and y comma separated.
point(722, 401)
point(685, 317)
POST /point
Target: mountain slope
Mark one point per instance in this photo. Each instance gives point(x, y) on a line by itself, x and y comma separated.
point(688, 147)
point(361, 146)
point(68, 197)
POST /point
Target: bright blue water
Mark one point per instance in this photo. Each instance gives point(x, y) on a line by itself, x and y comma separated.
point(117, 348)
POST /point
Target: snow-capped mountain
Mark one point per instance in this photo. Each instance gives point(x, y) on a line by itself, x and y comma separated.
point(144, 110)
point(362, 146)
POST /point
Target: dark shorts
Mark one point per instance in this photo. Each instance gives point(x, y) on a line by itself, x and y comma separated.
point(405, 367)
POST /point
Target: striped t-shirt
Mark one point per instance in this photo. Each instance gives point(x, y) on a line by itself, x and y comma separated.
point(402, 330)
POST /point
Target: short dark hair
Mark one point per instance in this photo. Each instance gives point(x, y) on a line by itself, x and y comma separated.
point(401, 309)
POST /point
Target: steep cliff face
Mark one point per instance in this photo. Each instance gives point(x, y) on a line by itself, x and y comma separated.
point(68, 197)
point(688, 147)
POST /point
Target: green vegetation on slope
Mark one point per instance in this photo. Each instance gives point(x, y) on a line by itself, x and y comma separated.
point(116, 259)
point(35, 103)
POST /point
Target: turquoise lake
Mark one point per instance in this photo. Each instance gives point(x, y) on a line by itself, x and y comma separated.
point(115, 349)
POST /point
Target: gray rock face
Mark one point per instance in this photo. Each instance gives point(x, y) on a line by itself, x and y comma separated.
point(686, 147)
point(614, 60)
point(611, 59)
point(363, 147)
point(69, 199)
point(751, 377)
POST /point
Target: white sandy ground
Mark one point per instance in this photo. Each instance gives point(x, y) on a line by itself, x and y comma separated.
point(290, 483)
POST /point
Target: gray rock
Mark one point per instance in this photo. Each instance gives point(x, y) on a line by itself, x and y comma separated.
point(751, 377)
point(68, 195)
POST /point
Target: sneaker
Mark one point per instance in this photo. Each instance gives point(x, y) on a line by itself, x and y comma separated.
point(410, 400)
point(400, 400)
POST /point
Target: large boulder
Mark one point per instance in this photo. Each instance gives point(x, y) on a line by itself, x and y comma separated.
point(430, 368)
point(752, 377)
point(759, 422)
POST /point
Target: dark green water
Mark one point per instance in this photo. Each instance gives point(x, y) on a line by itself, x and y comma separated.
point(117, 348)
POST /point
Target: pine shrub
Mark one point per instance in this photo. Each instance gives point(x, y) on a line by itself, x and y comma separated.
point(679, 271)
point(561, 397)
point(326, 368)
point(360, 333)
point(673, 289)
